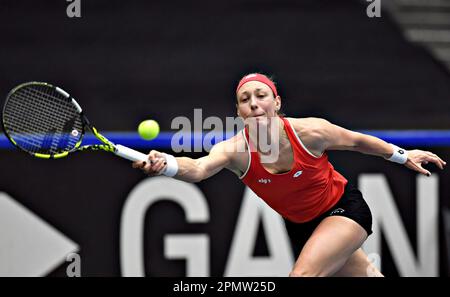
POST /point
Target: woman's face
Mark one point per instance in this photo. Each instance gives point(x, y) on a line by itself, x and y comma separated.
point(256, 100)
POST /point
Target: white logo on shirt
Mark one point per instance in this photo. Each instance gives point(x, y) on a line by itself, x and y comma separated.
point(297, 174)
point(264, 180)
point(337, 211)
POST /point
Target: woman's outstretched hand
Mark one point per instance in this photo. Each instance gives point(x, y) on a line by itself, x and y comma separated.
point(417, 158)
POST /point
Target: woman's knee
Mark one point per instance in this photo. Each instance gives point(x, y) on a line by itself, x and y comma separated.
point(307, 271)
point(310, 266)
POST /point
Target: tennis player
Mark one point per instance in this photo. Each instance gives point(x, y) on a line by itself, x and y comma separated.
point(326, 217)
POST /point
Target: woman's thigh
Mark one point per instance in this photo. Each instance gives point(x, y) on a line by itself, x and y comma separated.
point(331, 244)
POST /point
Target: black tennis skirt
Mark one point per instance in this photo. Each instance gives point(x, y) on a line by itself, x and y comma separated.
point(351, 205)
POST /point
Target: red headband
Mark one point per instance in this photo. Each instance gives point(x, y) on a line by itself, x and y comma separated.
point(258, 77)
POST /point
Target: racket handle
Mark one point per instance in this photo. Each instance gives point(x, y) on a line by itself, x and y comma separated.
point(130, 154)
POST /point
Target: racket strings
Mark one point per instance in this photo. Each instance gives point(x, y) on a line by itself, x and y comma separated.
point(39, 138)
point(40, 120)
point(18, 106)
point(32, 137)
point(56, 119)
point(56, 110)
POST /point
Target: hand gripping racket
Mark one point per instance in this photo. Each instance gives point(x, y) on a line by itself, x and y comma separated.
point(46, 122)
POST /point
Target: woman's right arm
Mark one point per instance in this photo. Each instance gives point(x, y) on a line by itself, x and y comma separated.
point(189, 170)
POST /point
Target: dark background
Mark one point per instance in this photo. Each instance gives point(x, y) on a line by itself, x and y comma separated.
point(126, 61)
point(130, 60)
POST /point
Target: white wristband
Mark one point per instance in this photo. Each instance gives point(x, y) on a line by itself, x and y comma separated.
point(172, 165)
point(399, 156)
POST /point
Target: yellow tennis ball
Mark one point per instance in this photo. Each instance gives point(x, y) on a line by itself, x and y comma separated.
point(148, 129)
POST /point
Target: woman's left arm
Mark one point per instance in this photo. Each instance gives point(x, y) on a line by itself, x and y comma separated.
point(333, 137)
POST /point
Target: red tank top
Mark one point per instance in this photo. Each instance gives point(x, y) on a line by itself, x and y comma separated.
point(310, 188)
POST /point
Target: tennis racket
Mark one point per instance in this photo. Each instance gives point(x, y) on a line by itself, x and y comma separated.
point(46, 122)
